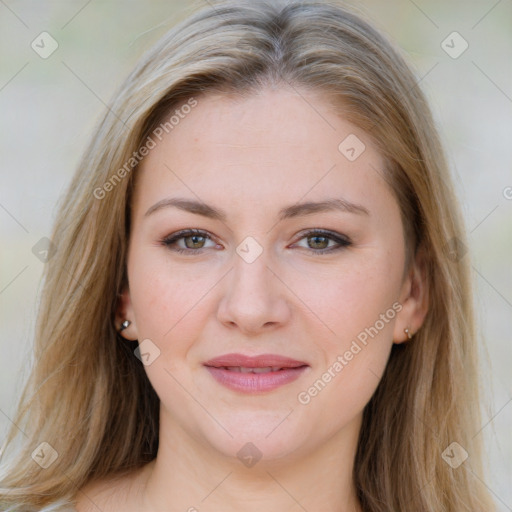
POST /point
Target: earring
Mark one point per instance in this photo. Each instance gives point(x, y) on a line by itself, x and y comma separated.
point(409, 335)
point(124, 325)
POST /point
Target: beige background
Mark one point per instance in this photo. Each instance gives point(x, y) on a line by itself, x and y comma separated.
point(49, 106)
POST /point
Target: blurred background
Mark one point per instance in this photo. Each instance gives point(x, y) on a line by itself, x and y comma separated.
point(62, 60)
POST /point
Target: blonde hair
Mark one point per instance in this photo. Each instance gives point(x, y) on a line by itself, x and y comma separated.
point(88, 395)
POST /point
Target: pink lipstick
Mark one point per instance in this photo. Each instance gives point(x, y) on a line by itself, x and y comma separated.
point(254, 374)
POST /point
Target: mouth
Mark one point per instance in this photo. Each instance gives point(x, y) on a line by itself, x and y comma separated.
point(243, 369)
point(255, 374)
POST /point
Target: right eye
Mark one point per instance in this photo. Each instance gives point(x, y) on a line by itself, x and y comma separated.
point(194, 240)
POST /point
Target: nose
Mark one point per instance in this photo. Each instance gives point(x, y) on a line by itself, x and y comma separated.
point(254, 297)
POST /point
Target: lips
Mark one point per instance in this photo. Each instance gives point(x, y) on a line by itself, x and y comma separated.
point(254, 374)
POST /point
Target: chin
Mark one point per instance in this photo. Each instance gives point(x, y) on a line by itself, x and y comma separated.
point(268, 436)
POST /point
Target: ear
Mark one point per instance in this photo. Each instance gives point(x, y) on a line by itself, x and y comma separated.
point(413, 298)
point(124, 311)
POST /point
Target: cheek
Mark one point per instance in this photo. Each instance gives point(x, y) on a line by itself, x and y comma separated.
point(359, 305)
point(340, 393)
point(351, 297)
point(163, 296)
point(169, 309)
point(355, 349)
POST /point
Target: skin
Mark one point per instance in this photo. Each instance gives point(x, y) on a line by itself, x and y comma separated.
point(250, 157)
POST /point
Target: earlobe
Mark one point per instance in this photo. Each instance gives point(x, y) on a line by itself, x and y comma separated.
point(124, 318)
point(403, 337)
point(124, 325)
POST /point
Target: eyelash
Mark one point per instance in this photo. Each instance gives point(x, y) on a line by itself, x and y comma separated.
point(343, 242)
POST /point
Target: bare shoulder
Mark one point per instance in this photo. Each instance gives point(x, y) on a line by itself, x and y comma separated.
point(110, 494)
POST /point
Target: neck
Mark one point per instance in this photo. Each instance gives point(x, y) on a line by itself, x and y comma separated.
point(190, 476)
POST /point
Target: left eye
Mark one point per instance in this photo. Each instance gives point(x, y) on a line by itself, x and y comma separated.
point(318, 241)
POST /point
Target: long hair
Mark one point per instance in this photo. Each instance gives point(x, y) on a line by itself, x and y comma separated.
point(88, 397)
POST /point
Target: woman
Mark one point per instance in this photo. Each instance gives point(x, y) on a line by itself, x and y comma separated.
point(256, 301)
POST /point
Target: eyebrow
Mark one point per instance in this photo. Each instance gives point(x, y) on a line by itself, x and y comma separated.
point(295, 210)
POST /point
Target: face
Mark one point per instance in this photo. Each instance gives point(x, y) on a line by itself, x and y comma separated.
point(273, 320)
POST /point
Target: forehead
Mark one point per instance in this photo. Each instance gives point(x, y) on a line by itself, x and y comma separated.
point(274, 146)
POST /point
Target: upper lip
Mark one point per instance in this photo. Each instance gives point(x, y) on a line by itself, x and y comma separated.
point(259, 361)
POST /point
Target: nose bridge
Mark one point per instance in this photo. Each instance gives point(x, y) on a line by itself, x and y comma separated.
point(251, 274)
point(253, 297)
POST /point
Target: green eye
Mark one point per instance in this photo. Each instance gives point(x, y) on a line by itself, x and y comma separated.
point(194, 240)
point(318, 241)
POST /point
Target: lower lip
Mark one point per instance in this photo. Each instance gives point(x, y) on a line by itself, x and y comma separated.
point(255, 382)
